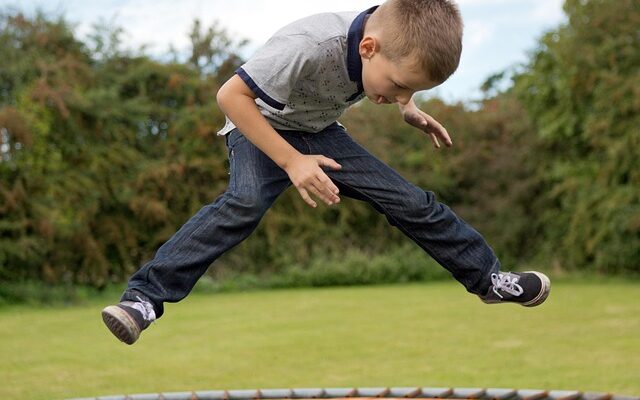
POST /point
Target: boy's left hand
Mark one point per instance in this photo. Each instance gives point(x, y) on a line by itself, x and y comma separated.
point(425, 122)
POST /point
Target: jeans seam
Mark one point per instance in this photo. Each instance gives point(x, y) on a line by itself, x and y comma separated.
point(197, 230)
point(400, 225)
point(479, 270)
point(436, 257)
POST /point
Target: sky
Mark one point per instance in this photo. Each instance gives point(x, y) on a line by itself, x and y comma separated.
point(498, 33)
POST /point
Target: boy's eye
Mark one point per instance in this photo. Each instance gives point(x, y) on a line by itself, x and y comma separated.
point(399, 86)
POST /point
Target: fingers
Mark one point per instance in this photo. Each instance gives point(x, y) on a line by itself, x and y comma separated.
point(437, 130)
point(323, 192)
point(320, 191)
point(328, 162)
point(429, 130)
point(430, 126)
point(307, 199)
point(434, 139)
point(315, 182)
point(444, 135)
point(325, 185)
point(325, 182)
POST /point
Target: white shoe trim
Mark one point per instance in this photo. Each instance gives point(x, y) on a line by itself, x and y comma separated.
point(544, 291)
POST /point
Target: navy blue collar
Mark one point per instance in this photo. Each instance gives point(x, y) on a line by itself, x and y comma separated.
point(354, 62)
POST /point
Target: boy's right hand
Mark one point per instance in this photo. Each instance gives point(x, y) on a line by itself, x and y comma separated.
point(308, 177)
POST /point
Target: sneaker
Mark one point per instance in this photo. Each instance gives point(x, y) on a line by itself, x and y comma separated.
point(128, 318)
point(525, 288)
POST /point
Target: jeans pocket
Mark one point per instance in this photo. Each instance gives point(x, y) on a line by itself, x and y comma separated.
point(229, 141)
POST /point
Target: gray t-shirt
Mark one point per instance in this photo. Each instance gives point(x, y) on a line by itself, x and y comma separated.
point(308, 73)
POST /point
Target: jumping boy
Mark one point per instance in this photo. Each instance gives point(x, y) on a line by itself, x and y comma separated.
point(281, 108)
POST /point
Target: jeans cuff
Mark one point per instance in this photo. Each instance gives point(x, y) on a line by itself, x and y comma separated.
point(483, 284)
point(136, 295)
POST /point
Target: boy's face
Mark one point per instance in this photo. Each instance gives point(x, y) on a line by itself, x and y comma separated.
point(387, 82)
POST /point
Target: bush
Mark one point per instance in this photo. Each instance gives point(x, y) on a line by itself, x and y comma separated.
point(400, 265)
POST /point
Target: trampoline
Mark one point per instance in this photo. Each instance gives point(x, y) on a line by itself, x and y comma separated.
point(373, 394)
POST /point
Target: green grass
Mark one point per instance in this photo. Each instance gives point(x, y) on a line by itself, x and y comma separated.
point(587, 337)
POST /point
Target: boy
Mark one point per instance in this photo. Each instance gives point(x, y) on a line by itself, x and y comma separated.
point(282, 107)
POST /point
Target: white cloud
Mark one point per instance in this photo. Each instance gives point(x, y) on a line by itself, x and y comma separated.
point(162, 22)
point(549, 11)
point(477, 35)
point(463, 3)
point(497, 32)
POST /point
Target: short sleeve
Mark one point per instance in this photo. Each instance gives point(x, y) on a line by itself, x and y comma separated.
point(277, 66)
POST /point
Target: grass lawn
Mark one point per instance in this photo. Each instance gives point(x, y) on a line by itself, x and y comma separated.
point(586, 337)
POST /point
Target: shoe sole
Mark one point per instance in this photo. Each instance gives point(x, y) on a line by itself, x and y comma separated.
point(544, 291)
point(121, 324)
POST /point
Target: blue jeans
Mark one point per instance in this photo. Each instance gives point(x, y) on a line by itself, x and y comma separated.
point(255, 183)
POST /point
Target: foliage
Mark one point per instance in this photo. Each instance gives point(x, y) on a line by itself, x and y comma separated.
point(582, 90)
point(101, 157)
point(105, 153)
point(401, 264)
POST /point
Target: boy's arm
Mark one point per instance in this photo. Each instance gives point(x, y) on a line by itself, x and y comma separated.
point(237, 101)
point(423, 121)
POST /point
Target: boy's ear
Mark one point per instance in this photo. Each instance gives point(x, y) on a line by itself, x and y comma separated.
point(368, 47)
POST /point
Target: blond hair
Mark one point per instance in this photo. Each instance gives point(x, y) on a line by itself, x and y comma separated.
point(430, 31)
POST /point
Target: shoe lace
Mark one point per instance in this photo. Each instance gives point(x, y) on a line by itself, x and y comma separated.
point(506, 283)
point(145, 308)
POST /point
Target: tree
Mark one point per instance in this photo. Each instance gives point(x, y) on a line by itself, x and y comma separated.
point(582, 89)
point(103, 153)
point(210, 50)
